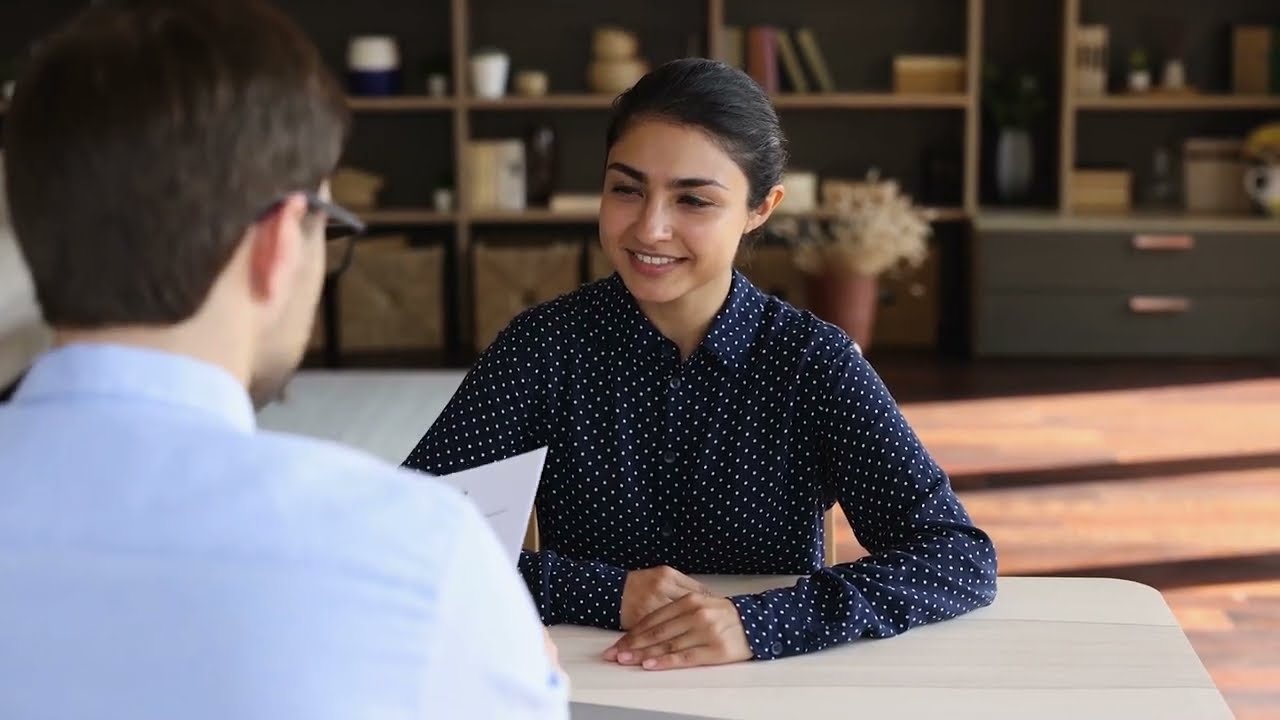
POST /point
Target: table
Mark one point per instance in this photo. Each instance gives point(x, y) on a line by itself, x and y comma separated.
point(383, 412)
point(1047, 648)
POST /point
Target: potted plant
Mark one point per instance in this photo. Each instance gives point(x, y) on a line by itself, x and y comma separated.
point(1139, 71)
point(1013, 101)
point(866, 229)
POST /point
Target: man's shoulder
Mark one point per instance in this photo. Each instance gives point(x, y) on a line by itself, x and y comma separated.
point(361, 500)
point(335, 467)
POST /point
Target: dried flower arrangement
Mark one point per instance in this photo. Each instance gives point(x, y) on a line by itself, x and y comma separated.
point(866, 228)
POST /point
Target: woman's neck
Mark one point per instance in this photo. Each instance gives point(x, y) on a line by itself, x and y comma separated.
point(686, 320)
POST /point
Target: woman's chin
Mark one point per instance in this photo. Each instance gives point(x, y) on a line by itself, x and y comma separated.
point(654, 290)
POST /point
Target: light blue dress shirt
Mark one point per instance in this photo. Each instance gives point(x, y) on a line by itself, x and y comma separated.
point(162, 558)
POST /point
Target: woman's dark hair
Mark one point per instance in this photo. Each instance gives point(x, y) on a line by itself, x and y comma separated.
point(723, 102)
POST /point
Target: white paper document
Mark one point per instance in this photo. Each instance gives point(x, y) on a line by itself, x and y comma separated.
point(503, 492)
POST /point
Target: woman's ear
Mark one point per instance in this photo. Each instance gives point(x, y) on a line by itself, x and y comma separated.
point(761, 213)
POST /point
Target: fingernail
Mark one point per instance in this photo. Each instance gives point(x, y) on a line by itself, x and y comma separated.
point(624, 657)
point(650, 664)
point(610, 653)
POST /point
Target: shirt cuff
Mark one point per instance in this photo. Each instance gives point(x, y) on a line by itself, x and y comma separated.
point(588, 593)
point(759, 622)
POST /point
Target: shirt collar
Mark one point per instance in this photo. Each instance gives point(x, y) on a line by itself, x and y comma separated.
point(135, 374)
point(729, 337)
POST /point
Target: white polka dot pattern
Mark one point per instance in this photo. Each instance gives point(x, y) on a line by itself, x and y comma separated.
point(722, 464)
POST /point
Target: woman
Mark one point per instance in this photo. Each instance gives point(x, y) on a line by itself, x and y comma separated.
point(697, 425)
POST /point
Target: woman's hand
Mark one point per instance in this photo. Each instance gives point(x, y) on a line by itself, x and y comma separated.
point(553, 652)
point(697, 629)
point(645, 591)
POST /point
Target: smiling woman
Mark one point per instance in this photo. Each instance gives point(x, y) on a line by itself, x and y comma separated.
point(697, 425)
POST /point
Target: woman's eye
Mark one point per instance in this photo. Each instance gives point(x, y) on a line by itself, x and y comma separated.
point(694, 201)
point(625, 190)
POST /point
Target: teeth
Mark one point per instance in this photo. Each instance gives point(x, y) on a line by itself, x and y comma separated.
point(654, 259)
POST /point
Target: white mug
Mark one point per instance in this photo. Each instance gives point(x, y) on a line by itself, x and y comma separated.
point(1263, 185)
point(489, 74)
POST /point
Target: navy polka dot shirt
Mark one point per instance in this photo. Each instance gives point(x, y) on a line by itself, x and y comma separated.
point(723, 463)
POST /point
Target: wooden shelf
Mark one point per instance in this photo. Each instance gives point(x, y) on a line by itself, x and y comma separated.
point(550, 217)
point(1196, 103)
point(534, 216)
point(406, 216)
point(936, 214)
point(871, 101)
point(1138, 221)
point(575, 101)
point(786, 101)
point(401, 103)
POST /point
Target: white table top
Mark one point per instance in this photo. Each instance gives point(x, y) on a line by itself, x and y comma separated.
point(383, 412)
point(1070, 648)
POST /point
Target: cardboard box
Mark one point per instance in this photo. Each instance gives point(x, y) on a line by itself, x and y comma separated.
point(1251, 48)
point(392, 297)
point(1101, 191)
point(512, 278)
point(929, 74)
point(772, 269)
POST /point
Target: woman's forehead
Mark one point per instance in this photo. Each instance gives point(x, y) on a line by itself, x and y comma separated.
point(665, 151)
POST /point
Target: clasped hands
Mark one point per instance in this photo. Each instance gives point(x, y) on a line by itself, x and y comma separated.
point(673, 621)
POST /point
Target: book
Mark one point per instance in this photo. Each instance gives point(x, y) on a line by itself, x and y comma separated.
point(813, 57)
point(762, 56)
point(731, 47)
point(796, 80)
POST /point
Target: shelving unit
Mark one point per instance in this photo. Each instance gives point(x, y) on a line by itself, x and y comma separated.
point(470, 118)
point(420, 141)
point(1145, 282)
point(1187, 103)
point(407, 216)
point(401, 103)
point(1075, 108)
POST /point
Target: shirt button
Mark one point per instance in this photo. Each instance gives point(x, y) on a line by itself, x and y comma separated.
point(675, 383)
point(667, 531)
point(668, 457)
point(776, 649)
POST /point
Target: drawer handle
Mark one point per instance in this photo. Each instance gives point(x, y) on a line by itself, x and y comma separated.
point(1164, 242)
point(1158, 305)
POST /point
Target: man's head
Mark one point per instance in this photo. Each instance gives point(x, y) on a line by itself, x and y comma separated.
point(167, 166)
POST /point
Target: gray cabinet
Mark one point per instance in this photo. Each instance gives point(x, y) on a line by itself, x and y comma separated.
point(1105, 293)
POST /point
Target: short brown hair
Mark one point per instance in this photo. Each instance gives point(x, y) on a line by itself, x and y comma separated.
point(146, 136)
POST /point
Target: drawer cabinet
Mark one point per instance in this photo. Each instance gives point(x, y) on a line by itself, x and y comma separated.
point(1115, 324)
point(1073, 293)
point(1131, 262)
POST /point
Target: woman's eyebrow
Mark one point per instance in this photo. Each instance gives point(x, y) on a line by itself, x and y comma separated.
point(683, 183)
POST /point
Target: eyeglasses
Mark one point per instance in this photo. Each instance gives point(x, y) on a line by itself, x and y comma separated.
point(340, 232)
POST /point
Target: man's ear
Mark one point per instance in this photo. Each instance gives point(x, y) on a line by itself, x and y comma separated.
point(275, 249)
point(760, 214)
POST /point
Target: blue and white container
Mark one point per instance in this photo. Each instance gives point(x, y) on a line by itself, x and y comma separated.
point(373, 65)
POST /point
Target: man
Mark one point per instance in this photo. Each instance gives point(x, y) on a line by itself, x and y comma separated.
point(159, 558)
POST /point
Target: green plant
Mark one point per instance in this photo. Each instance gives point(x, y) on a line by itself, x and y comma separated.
point(1013, 99)
point(1138, 61)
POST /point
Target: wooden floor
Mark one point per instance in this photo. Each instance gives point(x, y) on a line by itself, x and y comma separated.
point(1168, 475)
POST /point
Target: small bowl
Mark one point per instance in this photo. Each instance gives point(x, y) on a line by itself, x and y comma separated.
point(613, 43)
point(615, 76)
point(531, 83)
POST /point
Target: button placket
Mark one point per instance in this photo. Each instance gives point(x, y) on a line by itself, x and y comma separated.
point(666, 509)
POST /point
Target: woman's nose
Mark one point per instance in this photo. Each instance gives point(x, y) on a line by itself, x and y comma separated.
point(654, 224)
